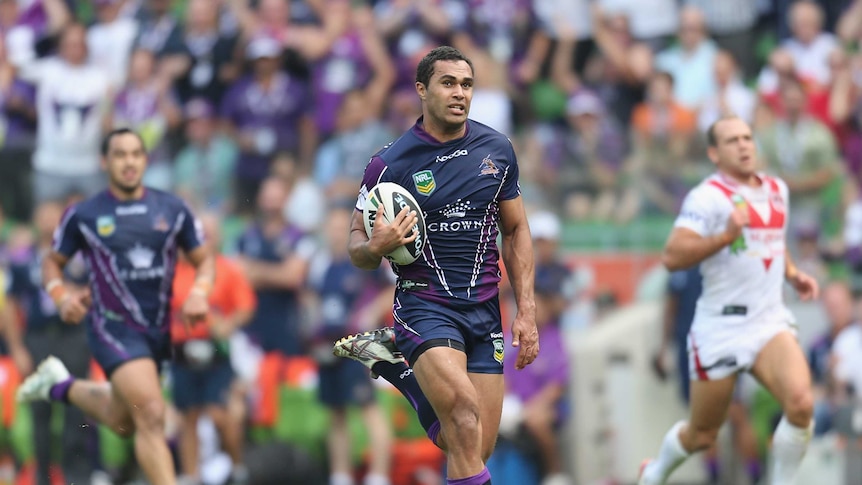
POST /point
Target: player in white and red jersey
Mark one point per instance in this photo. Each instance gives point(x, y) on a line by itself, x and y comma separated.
point(734, 224)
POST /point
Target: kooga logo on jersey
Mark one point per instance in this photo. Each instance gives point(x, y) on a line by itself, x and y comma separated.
point(455, 154)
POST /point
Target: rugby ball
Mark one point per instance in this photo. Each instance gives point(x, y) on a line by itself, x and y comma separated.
point(391, 198)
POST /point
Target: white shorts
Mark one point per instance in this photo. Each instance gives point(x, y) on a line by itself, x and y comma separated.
point(718, 351)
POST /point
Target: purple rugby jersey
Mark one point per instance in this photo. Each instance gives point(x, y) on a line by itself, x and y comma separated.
point(346, 67)
point(273, 116)
point(459, 185)
point(130, 248)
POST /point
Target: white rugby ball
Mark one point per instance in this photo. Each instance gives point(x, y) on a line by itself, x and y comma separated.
point(391, 198)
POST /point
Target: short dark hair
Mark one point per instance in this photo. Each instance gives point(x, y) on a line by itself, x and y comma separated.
point(106, 141)
point(711, 136)
point(425, 69)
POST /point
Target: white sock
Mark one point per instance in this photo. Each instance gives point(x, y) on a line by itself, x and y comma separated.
point(671, 455)
point(340, 479)
point(376, 479)
point(788, 448)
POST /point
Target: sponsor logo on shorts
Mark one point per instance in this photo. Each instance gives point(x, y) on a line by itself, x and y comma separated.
point(729, 361)
point(496, 334)
point(405, 374)
point(499, 349)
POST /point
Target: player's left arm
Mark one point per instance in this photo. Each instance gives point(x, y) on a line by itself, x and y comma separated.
point(196, 307)
point(804, 284)
point(191, 240)
point(517, 253)
point(72, 305)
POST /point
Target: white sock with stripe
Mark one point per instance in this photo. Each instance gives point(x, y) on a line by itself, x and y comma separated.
point(670, 456)
point(789, 444)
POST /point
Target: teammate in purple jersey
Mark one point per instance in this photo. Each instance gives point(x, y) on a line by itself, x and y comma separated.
point(465, 177)
point(129, 236)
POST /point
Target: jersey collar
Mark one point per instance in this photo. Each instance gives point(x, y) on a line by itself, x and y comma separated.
point(419, 130)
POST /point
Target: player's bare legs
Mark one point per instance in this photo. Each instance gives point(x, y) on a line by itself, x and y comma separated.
point(442, 375)
point(783, 370)
point(491, 388)
point(100, 401)
point(136, 384)
point(709, 403)
point(131, 403)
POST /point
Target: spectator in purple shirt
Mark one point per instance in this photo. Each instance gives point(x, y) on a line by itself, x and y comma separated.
point(17, 105)
point(357, 59)
point(267, 112)
point(29, 27)
point(411, 29)
point(507, 31)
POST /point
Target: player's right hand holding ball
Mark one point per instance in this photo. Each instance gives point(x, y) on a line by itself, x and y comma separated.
point(386, 237)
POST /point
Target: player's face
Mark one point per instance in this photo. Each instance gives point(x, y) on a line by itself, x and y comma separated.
point(735, 151)
point(125, 162)
point(448, 94)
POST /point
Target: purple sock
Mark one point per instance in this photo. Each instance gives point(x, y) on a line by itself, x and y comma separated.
point(755, 470)
point(483, 478)
point(401, 376)
point(60, 391)
point(434, 431)
point(712, 469)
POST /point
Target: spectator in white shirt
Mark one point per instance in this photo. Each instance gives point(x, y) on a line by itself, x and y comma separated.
point(731, 95)
point(810, 46)
point(847, 358)
point(731, 24)
point(110, 40)
point(651, 21)
point(691, 61)
point(72, 98)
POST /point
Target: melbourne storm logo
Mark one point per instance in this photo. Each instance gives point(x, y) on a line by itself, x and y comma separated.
point(488, 167)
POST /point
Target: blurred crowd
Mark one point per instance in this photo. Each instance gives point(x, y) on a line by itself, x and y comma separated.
point(263, 113)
